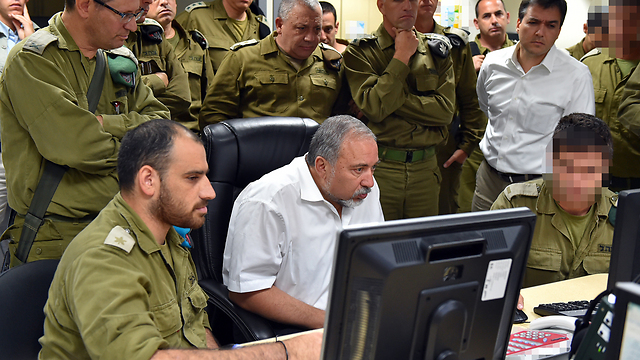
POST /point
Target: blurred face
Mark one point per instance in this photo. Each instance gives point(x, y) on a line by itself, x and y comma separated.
point(237, 5)
point(107, 28)
point(351, 179)
point(624, 38)
point(426, 8)
point(144, 4)
point(163, 11)
point(492, 19)
point(299, 34)
point(578, 176)
point(185, 189)
point(400, 14)
point(539, 30)
point(329, 29)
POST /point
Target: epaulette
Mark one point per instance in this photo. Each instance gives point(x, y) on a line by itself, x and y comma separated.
point(331, 56)
point(242, 44)
point(38, 41)
point(195, 5)
point(522, 189)
point(365, 37)
point(593, 52)
point(124, 51)
point(457, 37)
point(120, 238)
point(613, 211)
point(199, 38)
point(151, 31)
point(438, 44)
point(263, 26)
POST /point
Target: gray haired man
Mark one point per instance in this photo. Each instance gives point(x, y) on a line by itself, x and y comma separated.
point(290, 219)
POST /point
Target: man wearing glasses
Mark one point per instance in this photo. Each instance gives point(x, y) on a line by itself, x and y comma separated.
point(45, 118)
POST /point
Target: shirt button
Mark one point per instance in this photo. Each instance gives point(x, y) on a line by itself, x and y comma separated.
point(272, 79)
point(301, 98)
point(326, 82)
point(38, 251)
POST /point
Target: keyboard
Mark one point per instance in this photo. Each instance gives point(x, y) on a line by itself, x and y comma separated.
point(571, 308)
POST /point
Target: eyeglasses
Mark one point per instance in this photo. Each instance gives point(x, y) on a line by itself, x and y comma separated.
point(125, 17)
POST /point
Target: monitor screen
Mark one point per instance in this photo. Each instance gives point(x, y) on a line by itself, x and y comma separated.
point(624, 343)
point(442, 287)
point(625, 252)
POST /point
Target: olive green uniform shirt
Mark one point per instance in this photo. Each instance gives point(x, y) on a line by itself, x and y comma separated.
point(197, 64)
point(408, 107)
point(115, 296)
point(43, 107)
point(484, 51)
point(473, 121)
point(258, 79)
point(212, 20)
point(609, 85)
point(577, 50)
point(553, 255)
point(629, 122)
point(161, 57)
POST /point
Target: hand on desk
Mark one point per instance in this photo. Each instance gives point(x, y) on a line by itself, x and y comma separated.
point(520, 302)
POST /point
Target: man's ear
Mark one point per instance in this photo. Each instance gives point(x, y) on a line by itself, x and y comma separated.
point(475, 22)
point(322, 167)
point(508, 18)
point(148, 180)
point(279, 23)
point(83, 6)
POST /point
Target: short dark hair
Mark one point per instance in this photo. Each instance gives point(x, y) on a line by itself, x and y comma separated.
point(478, 3)
point(546, 4)
point(71, 4)
point(150, 144)
point(579, 132)
point(598, 17)
point(623, 3)
point(328, 139)
point(327, 7)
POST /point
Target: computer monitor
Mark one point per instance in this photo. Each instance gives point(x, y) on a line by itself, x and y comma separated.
point(624, 342)
point(442, 287)
point(625, 252)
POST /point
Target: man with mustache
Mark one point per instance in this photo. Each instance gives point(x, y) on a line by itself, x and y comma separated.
point(45, 115)
point(191, 49)
point(523, 91)
point(127, 288)
point(283, 228)
point(160, 68)
point(404, 83)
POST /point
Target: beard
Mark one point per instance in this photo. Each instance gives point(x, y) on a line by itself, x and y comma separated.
point(170, 210)
point(349, 203)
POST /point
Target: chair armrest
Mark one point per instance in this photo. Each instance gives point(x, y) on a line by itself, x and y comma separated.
point(252, 327)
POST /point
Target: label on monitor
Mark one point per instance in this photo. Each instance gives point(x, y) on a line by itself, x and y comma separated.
point(495, 284)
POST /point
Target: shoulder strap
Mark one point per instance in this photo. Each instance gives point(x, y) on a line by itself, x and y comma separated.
point(475, 50)
point(53, 173)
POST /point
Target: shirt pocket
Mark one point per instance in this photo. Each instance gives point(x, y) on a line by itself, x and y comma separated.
point(193, 306)
point(426, 83)
point(167, 317)
point(272, 91)
point(193, 67)
point(545, 259)
point(323, 90)
point(600, 96)
point(596, 263)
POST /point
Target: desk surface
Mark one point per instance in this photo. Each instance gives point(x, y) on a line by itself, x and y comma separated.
point(582, 288)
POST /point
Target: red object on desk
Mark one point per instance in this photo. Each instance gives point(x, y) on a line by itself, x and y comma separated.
point(530, 339)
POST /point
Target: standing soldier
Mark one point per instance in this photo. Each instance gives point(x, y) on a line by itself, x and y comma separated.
point(224, 23)
point(491, 19)
point(47, 124)
point(160, 68)
point(403, 81)
point(191, 49)
point(469, 122)
point(612, 72)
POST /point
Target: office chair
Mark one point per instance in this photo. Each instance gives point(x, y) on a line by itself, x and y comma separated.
point(23, 292)
point(239, 151)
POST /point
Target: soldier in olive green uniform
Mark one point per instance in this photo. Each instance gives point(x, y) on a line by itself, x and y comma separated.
point(471, 165)
point(577, 51)
point(610, 77)
point(408, 95)
point(220, 29)
point(568, 243)
point(156, 55)
point(46, 118)
point(258, 79)
point(469, 122)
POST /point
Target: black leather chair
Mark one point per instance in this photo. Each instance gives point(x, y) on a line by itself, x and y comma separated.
point(23, 293)
point(239, 151)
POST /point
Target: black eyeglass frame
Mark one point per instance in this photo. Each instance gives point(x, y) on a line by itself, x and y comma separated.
point(124, 17)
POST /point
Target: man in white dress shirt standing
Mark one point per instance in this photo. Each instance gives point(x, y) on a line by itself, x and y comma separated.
point(524, 90)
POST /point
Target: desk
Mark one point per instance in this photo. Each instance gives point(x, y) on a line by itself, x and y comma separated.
point(582, 288)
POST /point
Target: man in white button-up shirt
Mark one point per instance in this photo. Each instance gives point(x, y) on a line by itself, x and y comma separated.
point(525, 90)
point(284, 226)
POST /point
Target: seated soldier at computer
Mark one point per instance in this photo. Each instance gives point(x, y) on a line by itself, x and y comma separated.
point(575, 211)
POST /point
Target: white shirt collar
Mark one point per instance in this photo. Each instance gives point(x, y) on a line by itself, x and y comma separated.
point(547, 62)
point(308, 188)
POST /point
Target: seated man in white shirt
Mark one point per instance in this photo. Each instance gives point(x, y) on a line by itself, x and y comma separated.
point(524, 90)
point(284, 226)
